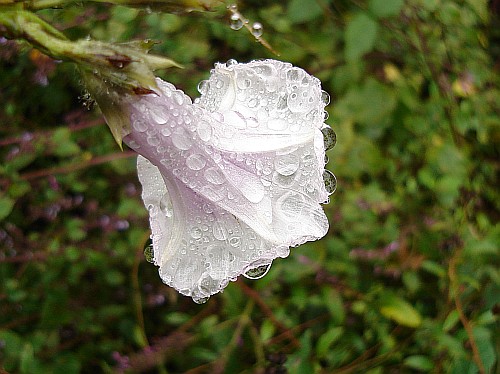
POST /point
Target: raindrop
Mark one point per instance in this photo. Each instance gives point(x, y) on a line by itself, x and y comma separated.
point(329, 137)
point(203, 86)
point(204, 131)
point(257, 272)
point(257, 29)
point(325, 97)
point(149, 252)
point(139, 125)
point(286, 164)
point(196, 232)
point(236, 22)
point(233, 7)
point(196, 162)
point(325, 115)
point(181, 140)
point(231, 62)
point(166, 205)
point(214, 176)
point(330, 181)
point(235, 241)
point(200, 300)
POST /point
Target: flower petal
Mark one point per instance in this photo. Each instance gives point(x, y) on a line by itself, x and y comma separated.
point(230, 186)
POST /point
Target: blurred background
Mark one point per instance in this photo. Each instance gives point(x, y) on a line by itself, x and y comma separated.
point(407, 279)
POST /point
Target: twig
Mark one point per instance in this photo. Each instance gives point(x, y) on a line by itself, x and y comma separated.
point(268, 312)
point(454, 285)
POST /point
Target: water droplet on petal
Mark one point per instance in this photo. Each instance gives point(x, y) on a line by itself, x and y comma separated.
point(203, 86)
point(196, 162)
point(236, 22)
point(257, 272)
point(330, 181)
point(214, 176)
point(286, 164)
point(204, 131)
point(325, 97)
point(257, 29)
point(231, 62)
point(329, 137)
point(181, 140)
point(196, 232)
point(200, 300)
point(325, 115)
point(149, 252)
point(166, 205)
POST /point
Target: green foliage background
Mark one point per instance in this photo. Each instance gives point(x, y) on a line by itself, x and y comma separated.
point(406, 281)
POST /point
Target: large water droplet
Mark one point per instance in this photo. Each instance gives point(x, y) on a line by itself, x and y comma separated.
point(204, 131)
point(325, 97)
point(329, 137)
point(149, 251)
point(203, 86)
point(139, 124)
point(330, 181)
point(196, 162)
point(257, 29)
point(286, 164)
point(231, 62)
point(214, 176)
point(257, 272)
point(200, 300)
point(181, 140)
point(166, 205)
point(236, 22)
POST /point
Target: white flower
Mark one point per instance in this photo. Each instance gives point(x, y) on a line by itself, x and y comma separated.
point(235, 179)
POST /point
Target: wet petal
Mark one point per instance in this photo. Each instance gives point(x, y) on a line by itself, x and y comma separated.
point(233, 181)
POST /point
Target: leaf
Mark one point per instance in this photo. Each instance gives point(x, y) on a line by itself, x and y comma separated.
point(300, 11)
point(419, 362)
point(327, 340)
point(6, 205)
point(360, 36)
point(385, 8)
point(399, 310)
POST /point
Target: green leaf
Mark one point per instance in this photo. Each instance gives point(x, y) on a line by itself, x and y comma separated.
point(327, 340)
point(360, 36)
point(419, 362)
point(399, 310)
point(385, 8)
point(6, 205)
point(300, 11)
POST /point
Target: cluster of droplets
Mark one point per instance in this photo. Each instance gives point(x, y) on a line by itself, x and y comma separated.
point(186, 141)
point(238, 21)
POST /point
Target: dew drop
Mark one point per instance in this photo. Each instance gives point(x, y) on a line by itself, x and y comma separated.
point(329, 137)
point(196, 162)
point(149, 252)
point(196, 232)
point(235, 241)
point(203, 86)
point(181, 140)
point(166, 205)
point(236, 22)
point(165, 131)
point(325, 115)
point(139, 125)
point(231, 62)
point(257, 29)
point(330, 181)
point(257, 272)
point(200, 300)
point(214, 176)
point(325, 97)
point(204, 131)
point(286, 164)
